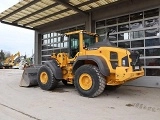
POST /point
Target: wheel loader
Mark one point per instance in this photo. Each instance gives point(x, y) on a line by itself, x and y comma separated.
point(9, 62)
point(88, 64)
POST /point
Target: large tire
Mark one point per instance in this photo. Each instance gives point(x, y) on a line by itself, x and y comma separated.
point(46, 79)
point(88, 81)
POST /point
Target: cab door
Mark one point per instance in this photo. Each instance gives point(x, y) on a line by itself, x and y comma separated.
point(73, 45)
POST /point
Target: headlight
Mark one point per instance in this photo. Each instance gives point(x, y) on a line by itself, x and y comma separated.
point(123, 62)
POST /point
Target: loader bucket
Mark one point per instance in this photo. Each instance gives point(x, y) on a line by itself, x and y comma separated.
point(29, 76)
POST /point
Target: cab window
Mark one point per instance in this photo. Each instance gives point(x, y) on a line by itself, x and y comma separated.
point(74, 45)
point(89, 40)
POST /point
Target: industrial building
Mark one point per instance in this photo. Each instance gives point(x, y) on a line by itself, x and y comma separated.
point(133, 24)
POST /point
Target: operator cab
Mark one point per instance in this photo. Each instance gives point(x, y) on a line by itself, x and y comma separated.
point(77, 41)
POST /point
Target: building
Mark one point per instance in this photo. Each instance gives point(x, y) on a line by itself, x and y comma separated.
point(134, 24)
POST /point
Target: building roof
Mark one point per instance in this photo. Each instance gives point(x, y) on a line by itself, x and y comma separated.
point(34, 13)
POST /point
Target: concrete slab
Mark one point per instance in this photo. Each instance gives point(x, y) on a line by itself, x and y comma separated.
point(64, 103)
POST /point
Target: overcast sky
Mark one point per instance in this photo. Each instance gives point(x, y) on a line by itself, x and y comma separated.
point(14, 39)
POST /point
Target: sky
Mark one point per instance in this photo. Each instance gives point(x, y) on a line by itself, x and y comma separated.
point(14, 39)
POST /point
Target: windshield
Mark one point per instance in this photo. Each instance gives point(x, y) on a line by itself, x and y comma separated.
point(89, 40)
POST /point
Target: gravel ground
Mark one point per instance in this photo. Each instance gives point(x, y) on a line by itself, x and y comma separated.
point(64, 103)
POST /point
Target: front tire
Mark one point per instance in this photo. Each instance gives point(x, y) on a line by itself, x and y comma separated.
point(46, 79)
point(89, 82)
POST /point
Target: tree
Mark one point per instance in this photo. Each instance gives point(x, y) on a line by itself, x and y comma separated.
point(2, 55)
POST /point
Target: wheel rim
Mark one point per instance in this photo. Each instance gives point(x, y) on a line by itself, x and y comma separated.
point(44, 77)
point(85, 81)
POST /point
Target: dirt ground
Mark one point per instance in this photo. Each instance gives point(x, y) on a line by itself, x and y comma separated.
point(64, 103)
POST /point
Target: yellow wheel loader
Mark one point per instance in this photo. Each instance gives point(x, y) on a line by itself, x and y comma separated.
point(9, 62)
point(87, 63)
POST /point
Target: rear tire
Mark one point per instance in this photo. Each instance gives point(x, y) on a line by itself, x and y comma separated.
point(89, 82)
point(46, 79)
